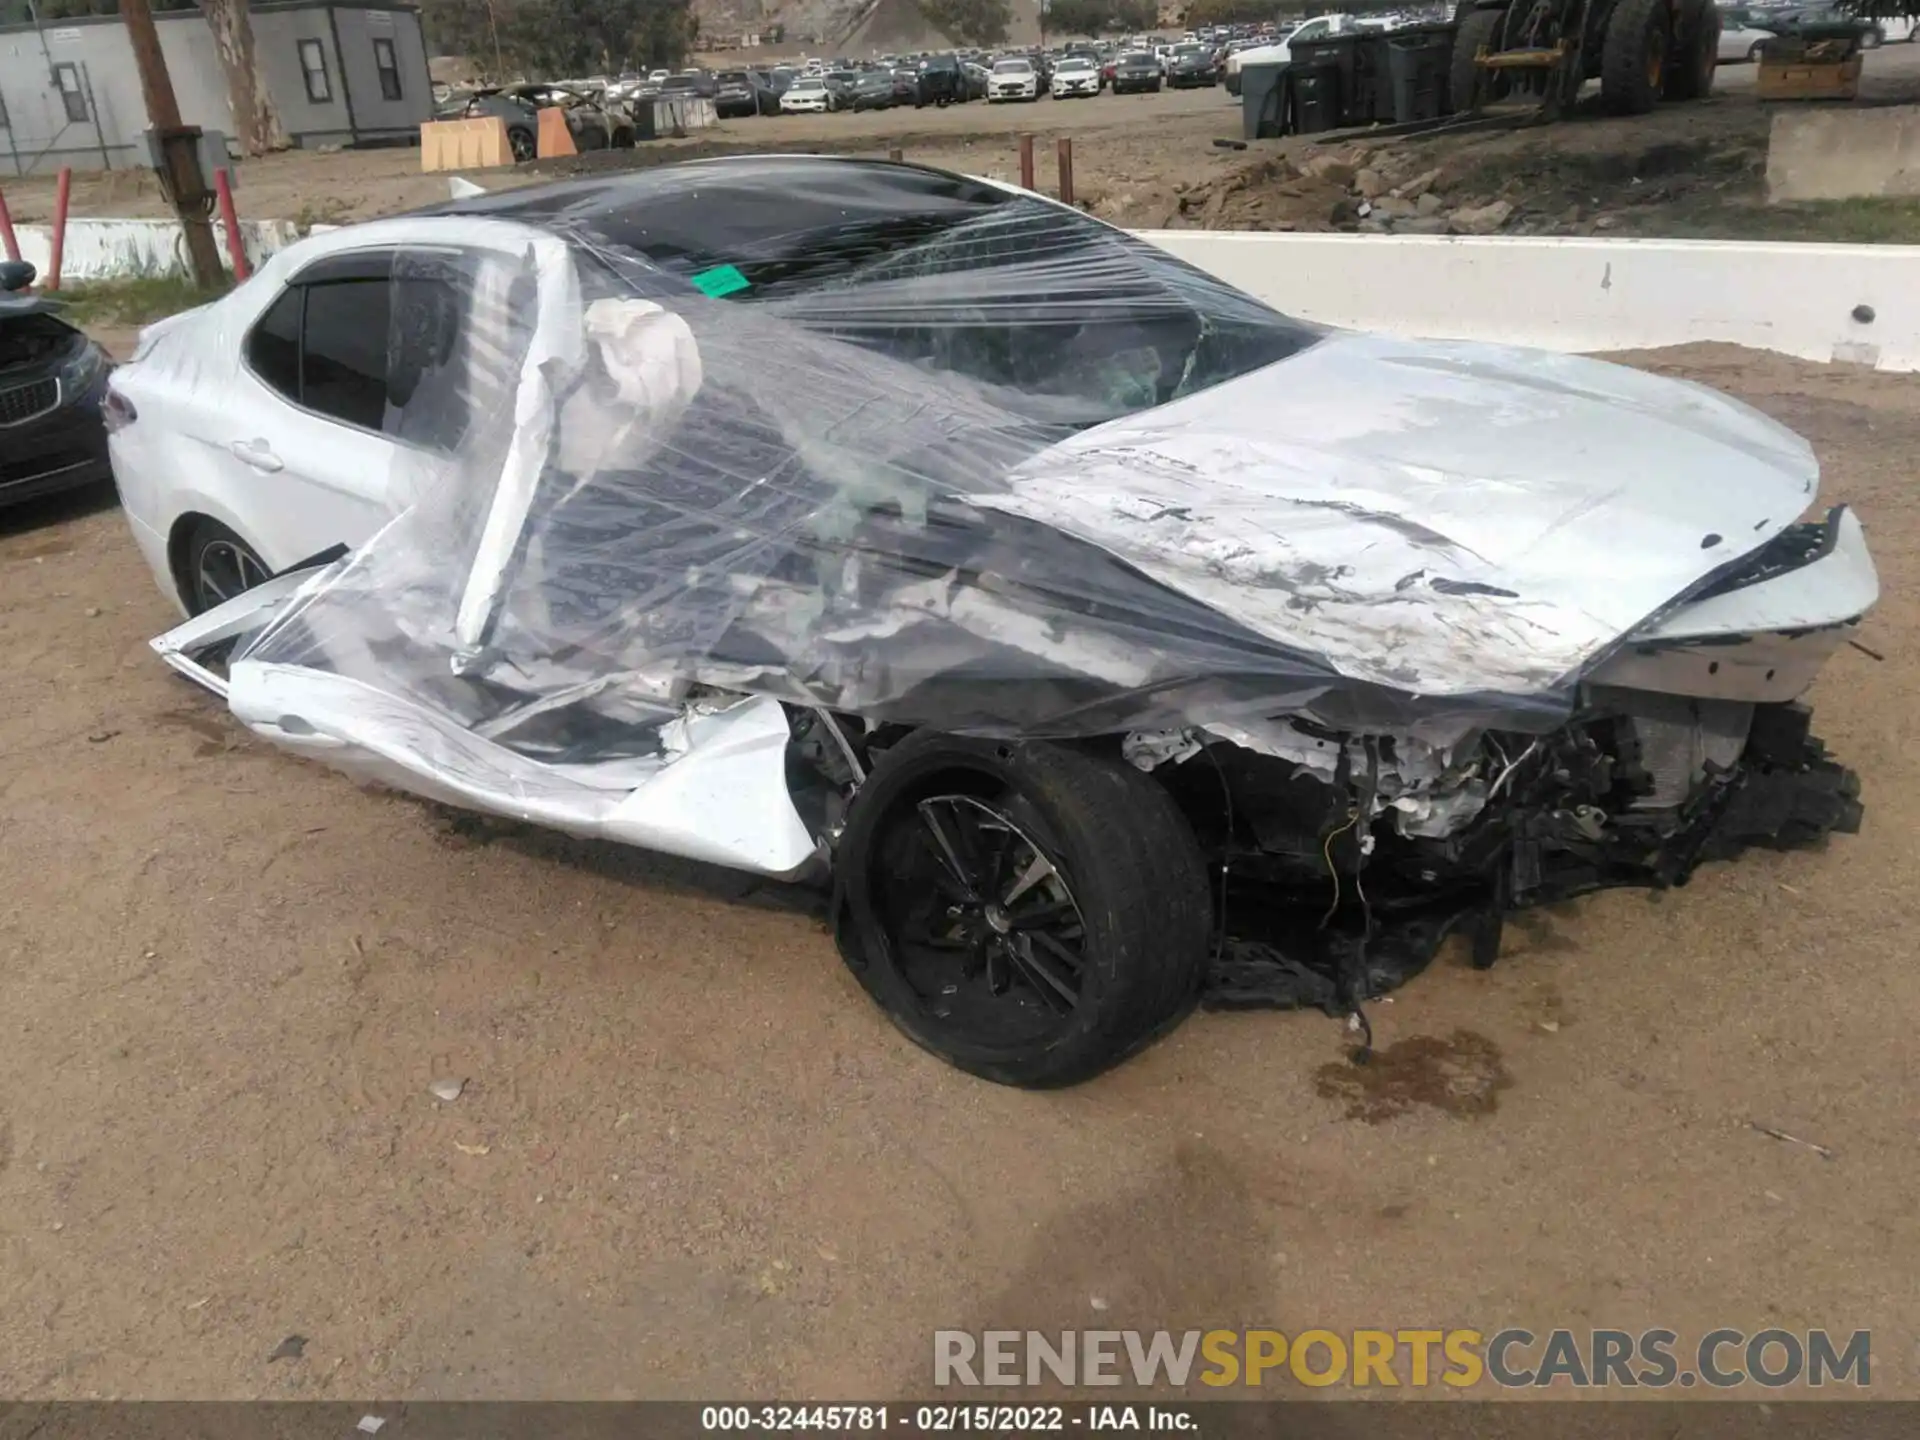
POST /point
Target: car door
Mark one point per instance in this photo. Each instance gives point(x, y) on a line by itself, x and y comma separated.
point(351, 400)
point(306, 448)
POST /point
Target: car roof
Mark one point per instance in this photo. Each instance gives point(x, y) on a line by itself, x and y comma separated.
point(720, 205)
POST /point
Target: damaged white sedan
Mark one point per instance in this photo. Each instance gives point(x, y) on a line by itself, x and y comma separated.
point(1111, 641)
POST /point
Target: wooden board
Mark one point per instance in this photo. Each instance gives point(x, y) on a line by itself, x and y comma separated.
point(1826, 80)
point(464, 144)
point(555, 138)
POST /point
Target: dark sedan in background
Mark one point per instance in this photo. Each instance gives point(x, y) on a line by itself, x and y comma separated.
point(52, 378)
point(1190, 66)
point(1136, 70)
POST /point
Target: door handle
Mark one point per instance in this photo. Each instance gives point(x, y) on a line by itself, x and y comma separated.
point(258, 454)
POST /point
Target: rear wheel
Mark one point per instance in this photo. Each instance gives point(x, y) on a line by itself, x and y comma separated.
point(1633, 58)
point(1029, 913)
point(522, 144)
point(219, 565)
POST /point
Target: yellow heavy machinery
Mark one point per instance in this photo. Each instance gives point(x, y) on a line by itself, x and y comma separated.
point(1641, 52)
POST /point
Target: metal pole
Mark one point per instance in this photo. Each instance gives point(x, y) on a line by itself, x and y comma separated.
point(62, 192)
point(229, 217)
point(8, 240)
point(180, 175)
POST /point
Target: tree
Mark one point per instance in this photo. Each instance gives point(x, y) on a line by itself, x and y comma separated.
point(256, 119)
point(1230, 12)
point(971, 22)
point(546, 39)
point(1100, 17)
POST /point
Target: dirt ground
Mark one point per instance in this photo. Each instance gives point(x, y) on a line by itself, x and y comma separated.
point(692, 1160)
point(1152, 161)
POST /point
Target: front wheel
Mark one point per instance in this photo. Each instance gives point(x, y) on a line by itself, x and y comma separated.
point(1030, 913)
point(1873, 39)
point(522, 144)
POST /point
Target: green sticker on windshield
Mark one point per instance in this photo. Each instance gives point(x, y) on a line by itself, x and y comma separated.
point(721, 280)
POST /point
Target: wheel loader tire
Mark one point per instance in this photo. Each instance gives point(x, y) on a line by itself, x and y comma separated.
point(1633, 58)
point(1696, 51)
point(1474, 30)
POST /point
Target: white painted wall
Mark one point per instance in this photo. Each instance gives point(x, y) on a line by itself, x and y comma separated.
point(109, 249)
point(1577, 294)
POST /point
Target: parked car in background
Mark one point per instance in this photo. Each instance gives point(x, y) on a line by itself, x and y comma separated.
point(808, 94)
point(1013, 78)
point(1076, 76)
point(1191, 66)
point(743, 92)
point(594, 124)
point(1280, 52)
point(872, 90)
point(1136, 70)
point(52, 380)
point(690, 82)
point(1741, 37)
point(940, 81)
point(840, 84)
point(1828, 20)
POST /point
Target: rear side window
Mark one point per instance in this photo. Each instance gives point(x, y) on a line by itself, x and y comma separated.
point(273, 350)
point(377, 350)
point(344, 371)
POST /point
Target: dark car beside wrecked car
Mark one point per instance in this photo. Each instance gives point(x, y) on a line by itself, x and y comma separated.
point(52, 380)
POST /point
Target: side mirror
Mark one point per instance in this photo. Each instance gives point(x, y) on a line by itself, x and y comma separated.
point(16, 275)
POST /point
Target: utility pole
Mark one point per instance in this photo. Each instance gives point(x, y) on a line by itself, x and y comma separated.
point(176, 147)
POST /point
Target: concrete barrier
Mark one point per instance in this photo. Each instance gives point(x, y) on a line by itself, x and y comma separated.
point(1854, 303)
point(1838, 154)
point(127, 249)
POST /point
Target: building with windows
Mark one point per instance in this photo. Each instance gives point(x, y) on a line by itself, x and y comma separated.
point(340, 74)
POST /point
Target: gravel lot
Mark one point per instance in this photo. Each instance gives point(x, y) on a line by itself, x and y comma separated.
point(692, 1160)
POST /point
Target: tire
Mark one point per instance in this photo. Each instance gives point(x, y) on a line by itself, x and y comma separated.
point(1474, 31)
point(523, 145)
point(1119, 918)
point(1873, 39)
point(1697, 43)
point(1755, 55)
point(216, 566)
point(1634, 56)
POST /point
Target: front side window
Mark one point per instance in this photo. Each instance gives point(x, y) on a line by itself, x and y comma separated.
point(313, 66)
point(389, 68)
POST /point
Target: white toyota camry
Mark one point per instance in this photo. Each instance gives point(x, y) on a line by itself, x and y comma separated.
point(1110, 640)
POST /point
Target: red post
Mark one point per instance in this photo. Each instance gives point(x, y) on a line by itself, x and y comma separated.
point(7, 238)
point(1064, 153)
point(61, 192)
point(1026, 162)
point(236, 247)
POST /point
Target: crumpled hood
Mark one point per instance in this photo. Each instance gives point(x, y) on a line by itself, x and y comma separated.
point(1445, 518)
